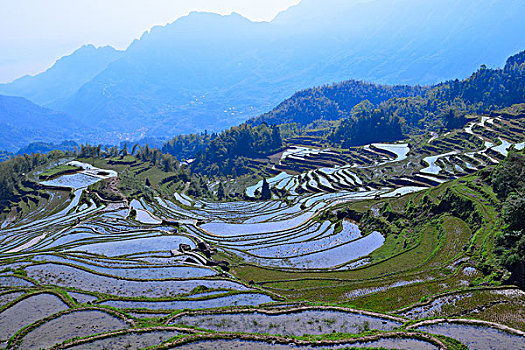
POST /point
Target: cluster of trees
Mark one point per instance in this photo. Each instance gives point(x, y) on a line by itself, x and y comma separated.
point(230, 151)
point(508, 182)
point(198, 188)
point(188, 146)
point(487, 89)
point(227, 153)
point(196, 184)
point(12, 174)
point(166, 162)
point(333, 102)
point(367, 125)
point(396, 118)
point(88, 151)
point(96, 151)
point(155, 156)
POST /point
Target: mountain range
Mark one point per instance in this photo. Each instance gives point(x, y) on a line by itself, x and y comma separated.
point(207, 71)
point(23, 122)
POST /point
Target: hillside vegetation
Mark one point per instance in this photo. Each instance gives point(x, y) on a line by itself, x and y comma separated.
point(351, 114)
point(508, 183)
point(375, 113)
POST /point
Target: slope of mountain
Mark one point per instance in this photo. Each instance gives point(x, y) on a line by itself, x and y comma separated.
point(352, 114)
point(207, 71)
point(66, 76)
point(484, 90)
point(176, 78)
point(332, 102)
point(23, 122)
point(43, 147)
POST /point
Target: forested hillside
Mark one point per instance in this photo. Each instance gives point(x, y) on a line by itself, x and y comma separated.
point(372, 113)
point(13, 183)
point(360, 113)
point(332, 102)
point(508, 183)
point(187, 146)
point(227, 154)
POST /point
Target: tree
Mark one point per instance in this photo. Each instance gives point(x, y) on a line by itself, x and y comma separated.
point(453, 119)
point(125, 149)
point(276, 137)
point(362, 110)
point(514, 212)
point(266, 193)
point(220, 191)
point(509, 244)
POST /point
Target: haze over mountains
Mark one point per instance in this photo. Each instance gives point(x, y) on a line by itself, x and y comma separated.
point(23, 122)
point(207, 71)
point(65, 78)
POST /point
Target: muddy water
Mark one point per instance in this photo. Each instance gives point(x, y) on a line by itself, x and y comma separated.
point(12, 281)
point(231, 300)
point(131, 341)
point(28, 311)
point(66, 276)
point(75, 324)
point(477, 337)
point(408, 344)
point(293, 324)
point(9, 297)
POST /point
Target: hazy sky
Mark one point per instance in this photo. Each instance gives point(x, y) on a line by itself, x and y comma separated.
point(35, 33)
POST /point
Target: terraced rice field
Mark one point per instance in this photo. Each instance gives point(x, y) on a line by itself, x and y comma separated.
point(337, 262)
point(483, 142)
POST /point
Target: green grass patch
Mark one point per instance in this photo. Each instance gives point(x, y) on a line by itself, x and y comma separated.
point(59, 171)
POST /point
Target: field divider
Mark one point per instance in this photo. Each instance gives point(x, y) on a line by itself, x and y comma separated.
point(282, 311)
point(300, 342)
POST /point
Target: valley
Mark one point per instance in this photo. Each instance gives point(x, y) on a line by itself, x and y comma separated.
point(223, 183)
point(385, 245)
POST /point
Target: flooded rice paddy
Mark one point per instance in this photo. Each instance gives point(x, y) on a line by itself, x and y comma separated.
point(75, 181)
point(157, 263)
point(313, 322)
point(67, 276)
point(27, 311)
point(130, 341)
point(407, 344)
point(9, 297)
point(477, 337)
point(74, 324)
point(230, 300)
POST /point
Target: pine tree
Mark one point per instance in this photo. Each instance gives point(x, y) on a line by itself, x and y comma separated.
point(125, 149)
point(265, 190)
point(220, 191)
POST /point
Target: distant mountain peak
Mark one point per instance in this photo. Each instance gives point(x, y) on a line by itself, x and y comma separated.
point(212, 71)
point(65, 77)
